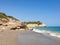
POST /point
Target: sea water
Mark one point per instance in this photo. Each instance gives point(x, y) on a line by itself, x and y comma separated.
point(49, 30)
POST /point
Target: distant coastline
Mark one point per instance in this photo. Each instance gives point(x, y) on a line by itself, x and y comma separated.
point(35, 24)
point(11, 23)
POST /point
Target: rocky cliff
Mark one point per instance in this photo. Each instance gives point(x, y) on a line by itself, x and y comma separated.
point(10, 23)
point(35, 24)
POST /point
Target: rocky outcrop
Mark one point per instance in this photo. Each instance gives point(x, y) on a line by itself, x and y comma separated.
point(42, 25)
point(35, 24)
point(11, 23)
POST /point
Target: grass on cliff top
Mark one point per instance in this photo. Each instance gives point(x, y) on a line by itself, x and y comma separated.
point(35, 22)
point(13, 18)
point(3, 15)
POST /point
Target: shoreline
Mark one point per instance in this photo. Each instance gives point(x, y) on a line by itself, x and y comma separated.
point(24, 37)
point(34, 38)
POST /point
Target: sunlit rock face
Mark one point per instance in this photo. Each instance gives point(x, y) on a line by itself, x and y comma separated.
point(32, 25)
point(42, 25)
point(8, 22)
point(36, 25)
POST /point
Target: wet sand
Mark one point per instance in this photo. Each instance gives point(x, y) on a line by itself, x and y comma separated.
point(33, 38)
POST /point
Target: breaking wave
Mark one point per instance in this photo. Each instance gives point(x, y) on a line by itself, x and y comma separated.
point(47, 32)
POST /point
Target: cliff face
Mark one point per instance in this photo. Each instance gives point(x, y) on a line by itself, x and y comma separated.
point(42, 25)
point(35, 24)
point(10, 23)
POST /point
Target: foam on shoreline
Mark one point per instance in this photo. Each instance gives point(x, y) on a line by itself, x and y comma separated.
point(47, 32)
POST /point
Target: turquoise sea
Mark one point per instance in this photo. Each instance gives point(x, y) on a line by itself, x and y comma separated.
point(49, 30)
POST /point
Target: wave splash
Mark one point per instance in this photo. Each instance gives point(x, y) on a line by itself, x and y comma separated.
point(47, 32)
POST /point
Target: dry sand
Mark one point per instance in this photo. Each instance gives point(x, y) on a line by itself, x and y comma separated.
point(9, 37)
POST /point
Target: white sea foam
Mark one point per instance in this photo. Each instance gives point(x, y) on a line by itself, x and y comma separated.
point(47, 32)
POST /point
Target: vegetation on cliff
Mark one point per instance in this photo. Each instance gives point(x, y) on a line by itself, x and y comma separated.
point(35, 22)
point(10, 22)
point(13, 18)
point(3, 15)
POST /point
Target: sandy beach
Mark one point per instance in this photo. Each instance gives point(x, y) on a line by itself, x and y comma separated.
point(33, 38)
point(8, 37)
point(26, 38)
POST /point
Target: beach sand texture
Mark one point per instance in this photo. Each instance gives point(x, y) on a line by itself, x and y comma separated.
point(26, 38)
point(8, 38)
point(33, 38)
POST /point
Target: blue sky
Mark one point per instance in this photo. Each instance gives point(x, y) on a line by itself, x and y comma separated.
point(47, 11)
